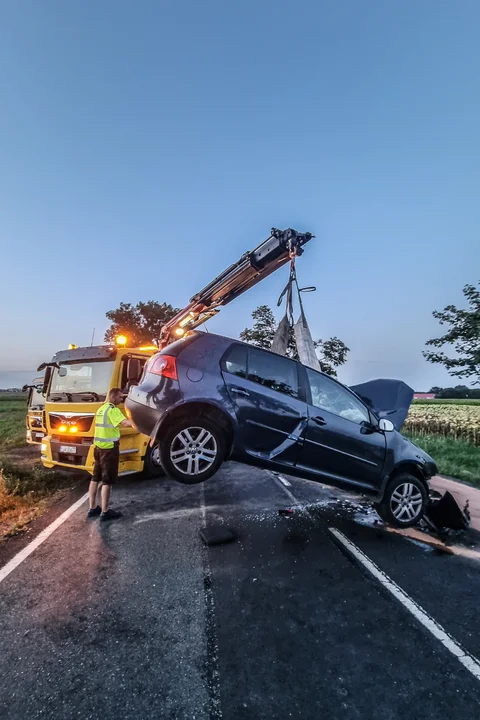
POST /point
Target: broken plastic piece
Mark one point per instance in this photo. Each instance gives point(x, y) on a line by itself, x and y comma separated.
point(446, 513)
point(217, 535)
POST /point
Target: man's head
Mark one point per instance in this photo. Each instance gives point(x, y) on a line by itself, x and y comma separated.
point(115, 396)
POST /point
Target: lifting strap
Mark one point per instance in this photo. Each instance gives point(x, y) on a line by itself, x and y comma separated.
point(302, 334)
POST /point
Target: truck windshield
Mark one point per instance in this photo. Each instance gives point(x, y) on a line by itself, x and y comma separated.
point(36, 401)
point(81, 382)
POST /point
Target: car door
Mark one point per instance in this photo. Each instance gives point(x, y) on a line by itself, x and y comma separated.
point(264, 390)
point(341, 443)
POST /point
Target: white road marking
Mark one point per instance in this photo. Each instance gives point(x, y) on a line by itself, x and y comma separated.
point(283, 487)
point(468, 661)
point(41, 537)
point(284, 481)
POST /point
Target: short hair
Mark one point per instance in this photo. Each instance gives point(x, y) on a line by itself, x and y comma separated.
point(115, 396)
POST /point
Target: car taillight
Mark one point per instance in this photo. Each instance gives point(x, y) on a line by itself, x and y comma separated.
point(164, 365)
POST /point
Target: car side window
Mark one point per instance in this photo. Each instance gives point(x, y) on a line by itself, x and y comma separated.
point(332, 397)
point(273, 371)
point(235, 361)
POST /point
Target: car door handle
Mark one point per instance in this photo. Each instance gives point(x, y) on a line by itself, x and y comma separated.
point(240, 391)
point(319, 420)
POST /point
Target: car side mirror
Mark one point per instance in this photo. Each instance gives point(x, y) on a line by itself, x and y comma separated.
point(386, 425)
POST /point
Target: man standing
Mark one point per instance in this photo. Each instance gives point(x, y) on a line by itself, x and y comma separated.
point(108, 421)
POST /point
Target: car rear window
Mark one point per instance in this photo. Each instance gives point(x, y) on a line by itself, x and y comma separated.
point(273, 371)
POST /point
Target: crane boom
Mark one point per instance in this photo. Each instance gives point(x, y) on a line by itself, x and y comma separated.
point(250, 269)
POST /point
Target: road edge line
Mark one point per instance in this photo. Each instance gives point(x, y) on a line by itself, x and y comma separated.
point(41, 537)
point(468, 661)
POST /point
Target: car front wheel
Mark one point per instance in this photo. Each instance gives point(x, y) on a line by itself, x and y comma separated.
point(404, 501)
point(192, 450)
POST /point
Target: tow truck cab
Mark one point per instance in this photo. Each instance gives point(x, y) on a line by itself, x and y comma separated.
point(35, 420)
point(77, 382)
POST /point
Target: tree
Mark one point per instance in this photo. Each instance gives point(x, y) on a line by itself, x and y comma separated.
point(463, 335)
point(141, 323)
point(332, 353)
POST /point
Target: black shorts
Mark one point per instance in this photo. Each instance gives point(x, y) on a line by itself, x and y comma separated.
point(105, 468)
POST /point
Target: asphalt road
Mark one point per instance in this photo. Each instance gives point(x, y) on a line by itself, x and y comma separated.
point(137, 619)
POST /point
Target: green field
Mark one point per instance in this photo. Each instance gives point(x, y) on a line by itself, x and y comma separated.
point(455, 458)
point(13, 410)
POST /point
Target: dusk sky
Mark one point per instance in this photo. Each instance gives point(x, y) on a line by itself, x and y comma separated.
point(145, 146)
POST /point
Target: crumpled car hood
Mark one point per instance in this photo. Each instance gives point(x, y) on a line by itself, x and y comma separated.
point(388, 398)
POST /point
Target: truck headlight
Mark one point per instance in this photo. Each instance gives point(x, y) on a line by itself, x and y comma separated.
point(43, 447)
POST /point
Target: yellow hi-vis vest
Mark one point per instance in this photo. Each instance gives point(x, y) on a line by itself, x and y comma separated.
point(105, 431)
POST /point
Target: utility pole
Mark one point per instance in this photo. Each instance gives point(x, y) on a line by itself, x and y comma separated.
point(93, 335)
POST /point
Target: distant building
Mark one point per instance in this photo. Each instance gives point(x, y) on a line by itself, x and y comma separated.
point(424, 396)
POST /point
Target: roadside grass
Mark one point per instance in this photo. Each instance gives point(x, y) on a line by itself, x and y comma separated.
point(450, 401)
point(13, 410)
point(455, 458)
point(26, 487)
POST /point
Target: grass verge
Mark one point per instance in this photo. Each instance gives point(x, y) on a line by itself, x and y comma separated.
point(447, 401)
point(456, 458)
point(27, 489)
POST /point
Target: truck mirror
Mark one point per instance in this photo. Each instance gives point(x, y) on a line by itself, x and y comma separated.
point(46, 379)
point(134, 370)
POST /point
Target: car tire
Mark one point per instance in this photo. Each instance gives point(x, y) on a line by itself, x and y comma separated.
point(204, 446)
point(404, 501)
point(152, 464)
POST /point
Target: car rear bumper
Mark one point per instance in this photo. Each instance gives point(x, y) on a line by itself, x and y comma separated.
point(143, 417)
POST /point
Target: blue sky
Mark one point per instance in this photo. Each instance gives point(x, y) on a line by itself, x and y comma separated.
point(145, 146)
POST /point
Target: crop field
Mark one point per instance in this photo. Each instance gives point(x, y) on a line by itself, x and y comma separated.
point(455, 421)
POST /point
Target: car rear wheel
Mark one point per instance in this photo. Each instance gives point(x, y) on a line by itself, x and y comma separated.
point(404, 501)
point(192, 450)
point(152, 465)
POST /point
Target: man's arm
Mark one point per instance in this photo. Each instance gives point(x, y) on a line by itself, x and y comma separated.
point(118, 419)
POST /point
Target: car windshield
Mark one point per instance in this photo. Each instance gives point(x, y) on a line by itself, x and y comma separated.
point(81, 381)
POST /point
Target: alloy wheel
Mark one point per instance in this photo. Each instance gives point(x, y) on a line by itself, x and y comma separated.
point(193, 450)
point(406, 502)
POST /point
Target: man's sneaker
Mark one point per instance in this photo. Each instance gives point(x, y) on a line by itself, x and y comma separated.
point(110, 515)
point(94, 512)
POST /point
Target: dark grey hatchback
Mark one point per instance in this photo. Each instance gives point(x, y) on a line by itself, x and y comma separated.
point(208, 398)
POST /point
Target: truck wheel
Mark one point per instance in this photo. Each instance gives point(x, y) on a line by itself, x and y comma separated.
point(152, 466)
point(404, 501)
point(192, 450)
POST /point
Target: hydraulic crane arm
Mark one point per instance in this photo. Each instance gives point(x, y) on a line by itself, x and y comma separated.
point(280, 247)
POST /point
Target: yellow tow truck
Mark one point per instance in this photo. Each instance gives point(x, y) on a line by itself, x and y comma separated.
point(35, 412)
point(76, 384)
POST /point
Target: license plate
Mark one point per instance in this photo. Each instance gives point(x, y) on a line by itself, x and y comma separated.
point(39, 435)
point(70, 449)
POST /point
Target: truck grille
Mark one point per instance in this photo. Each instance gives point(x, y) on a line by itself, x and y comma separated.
point(83, 422)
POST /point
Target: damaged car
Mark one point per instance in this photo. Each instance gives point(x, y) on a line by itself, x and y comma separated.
point(207, 398)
